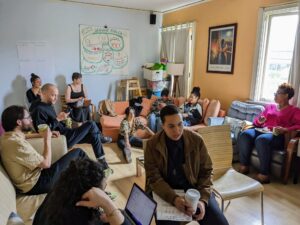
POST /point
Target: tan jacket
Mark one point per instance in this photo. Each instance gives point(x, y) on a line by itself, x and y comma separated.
point(197, 167)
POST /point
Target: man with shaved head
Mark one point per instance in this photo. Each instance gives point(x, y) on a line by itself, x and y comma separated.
point(88, 132)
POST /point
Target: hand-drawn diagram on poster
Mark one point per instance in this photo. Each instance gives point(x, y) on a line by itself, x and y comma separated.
point(104, 50)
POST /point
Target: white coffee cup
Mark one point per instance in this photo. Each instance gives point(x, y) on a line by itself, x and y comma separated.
point(192, 196)
point(42, 127)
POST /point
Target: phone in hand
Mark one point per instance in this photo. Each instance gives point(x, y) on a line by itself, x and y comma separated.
point(67, 110)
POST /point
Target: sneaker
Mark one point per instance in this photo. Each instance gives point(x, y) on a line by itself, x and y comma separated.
point(107, 170)
point(127, 154)
point(105, 140)
point(111, 195)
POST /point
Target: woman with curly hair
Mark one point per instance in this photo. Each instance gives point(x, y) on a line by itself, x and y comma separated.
point(77, 196)
point(279, 118)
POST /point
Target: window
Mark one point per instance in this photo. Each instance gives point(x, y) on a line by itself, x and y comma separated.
point(275, 52)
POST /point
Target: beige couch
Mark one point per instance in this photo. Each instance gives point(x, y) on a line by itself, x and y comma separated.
point(25, 206)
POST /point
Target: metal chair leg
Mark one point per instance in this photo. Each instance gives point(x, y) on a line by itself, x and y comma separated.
point(262, 207)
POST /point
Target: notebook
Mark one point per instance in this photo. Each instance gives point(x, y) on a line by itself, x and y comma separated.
point(140, 208)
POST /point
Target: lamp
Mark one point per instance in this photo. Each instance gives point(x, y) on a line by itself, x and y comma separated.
point(175, 70)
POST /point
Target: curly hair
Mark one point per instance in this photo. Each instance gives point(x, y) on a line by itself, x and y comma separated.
point(79, 177)
point(287, 89)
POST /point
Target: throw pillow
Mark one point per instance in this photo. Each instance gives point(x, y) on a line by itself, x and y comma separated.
point(212, 110)
point(146, 107)
point(14, 219)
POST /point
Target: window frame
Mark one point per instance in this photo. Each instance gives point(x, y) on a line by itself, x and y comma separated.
point(262, 40)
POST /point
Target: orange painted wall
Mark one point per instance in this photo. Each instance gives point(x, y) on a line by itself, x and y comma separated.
point(224, 87)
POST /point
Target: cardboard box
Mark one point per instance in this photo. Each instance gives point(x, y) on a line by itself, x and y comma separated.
point(153, 75)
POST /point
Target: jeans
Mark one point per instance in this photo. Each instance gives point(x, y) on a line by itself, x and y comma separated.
point(264, 143)
point(213, 215)
point(154, 122)
point(49, 176)
point(88, 132)
point(134, 141)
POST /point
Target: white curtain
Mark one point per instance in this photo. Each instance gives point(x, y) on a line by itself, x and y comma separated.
point(175, 47)
point(294, 77)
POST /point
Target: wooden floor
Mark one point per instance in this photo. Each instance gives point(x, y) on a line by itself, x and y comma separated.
point(281, 202)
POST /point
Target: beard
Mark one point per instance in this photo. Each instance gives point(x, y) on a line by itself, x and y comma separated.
point(26, 128)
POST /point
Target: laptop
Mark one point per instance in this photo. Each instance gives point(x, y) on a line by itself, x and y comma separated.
point(140, 208)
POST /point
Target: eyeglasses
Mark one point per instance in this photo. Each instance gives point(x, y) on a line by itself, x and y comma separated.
point(279, 93)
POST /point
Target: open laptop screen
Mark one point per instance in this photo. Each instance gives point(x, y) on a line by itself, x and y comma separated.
point(140, 207)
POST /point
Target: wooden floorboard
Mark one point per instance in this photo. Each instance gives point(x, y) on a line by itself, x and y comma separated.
point(282, 202)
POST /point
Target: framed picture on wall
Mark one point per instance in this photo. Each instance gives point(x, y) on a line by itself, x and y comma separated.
point(221, 49)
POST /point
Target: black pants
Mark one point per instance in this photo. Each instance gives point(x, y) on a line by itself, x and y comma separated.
point(49, 176)
point(88, 132)
point(213, 215)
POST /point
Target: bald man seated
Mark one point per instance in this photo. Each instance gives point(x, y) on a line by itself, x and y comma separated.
point(88, 132)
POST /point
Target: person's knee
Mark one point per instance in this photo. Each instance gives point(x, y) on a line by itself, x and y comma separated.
point(78, 152)
point(262, 143)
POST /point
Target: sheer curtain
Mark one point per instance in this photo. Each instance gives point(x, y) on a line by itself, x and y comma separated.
point(176, 48)
point(294, 77)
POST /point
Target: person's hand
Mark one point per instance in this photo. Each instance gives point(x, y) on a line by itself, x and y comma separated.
point(94, 198)
point(80, 99)
point(180, 203)
point(62, 116)
point(185, 115)
point(55, 134)
point(201, 206)
point(262, 119)
point(280, 130)
point(46, 134)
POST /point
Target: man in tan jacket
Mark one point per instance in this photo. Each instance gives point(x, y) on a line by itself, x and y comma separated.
point(176, 158)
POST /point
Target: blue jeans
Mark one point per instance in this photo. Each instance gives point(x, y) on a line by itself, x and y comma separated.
point(264, 143)
point(134, 141)
point(89, 133)
point(154, 122)
point(49, 176)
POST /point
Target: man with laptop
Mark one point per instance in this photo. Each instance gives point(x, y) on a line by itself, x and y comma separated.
point(176, 158)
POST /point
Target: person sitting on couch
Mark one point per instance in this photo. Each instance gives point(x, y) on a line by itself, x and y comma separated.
point(77, 196)
point(88, 132)
point(192, 110)
point(279, 118)
point(126, 136)
point(30, 172)
point(154, 118)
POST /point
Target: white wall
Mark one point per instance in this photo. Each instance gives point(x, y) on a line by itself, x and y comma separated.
point(57, 23)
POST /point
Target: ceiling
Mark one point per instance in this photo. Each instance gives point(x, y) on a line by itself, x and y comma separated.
point(146, 5)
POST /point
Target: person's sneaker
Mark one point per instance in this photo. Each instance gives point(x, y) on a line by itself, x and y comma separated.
point(111, 195)
point(127, 154)
point(105, 140)
point(107, 170)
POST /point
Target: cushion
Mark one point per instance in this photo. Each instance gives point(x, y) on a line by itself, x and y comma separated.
point(112, 122)
point(27, 206)
point(120, 107)
point(14, 219)
point(147, 103)
point(244, 111)
point(212, 110)
point(204, 103)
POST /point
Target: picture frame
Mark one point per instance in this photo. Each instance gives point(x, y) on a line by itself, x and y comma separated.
point(221, 48)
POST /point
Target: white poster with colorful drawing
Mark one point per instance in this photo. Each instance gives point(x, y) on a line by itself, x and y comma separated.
point(104, 50)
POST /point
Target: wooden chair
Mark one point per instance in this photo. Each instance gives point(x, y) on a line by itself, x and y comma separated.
point(132, 88)
point(228, 183)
